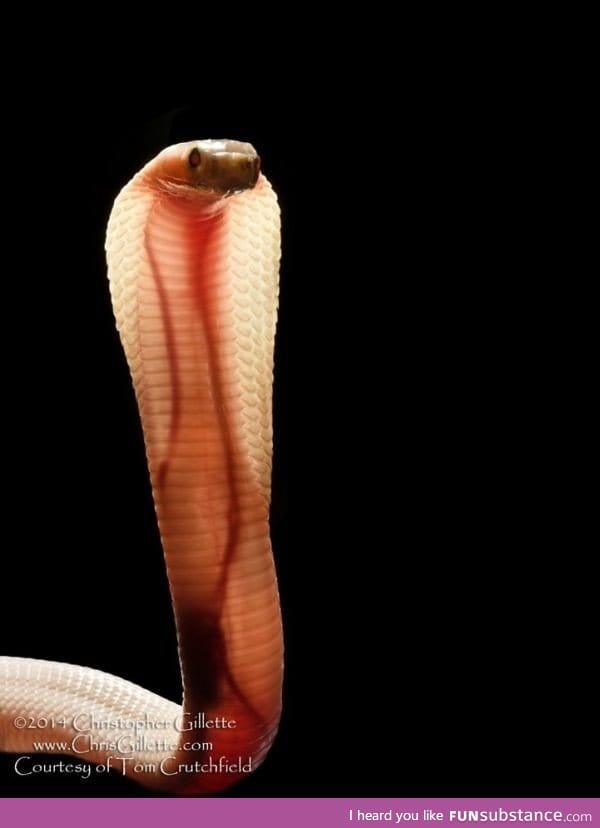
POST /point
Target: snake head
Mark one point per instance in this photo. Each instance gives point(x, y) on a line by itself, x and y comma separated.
point(218, 167)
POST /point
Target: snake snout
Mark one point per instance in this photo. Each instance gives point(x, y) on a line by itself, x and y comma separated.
point(239, 171)
point(224, 166)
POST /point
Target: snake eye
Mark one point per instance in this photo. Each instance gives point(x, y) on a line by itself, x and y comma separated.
point(194, 158)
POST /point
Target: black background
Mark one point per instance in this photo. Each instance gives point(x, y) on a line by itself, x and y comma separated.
point(430, 577)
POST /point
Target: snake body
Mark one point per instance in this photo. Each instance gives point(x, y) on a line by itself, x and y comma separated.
point(193, 255)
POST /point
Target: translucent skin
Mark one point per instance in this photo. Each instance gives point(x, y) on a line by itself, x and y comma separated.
point(193, 280)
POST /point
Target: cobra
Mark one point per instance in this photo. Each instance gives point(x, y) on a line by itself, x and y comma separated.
point(193, 247)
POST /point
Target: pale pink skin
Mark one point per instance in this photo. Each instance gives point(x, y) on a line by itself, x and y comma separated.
point(193, 279)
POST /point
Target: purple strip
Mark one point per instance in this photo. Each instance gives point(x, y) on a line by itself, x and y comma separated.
point(297, 813)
